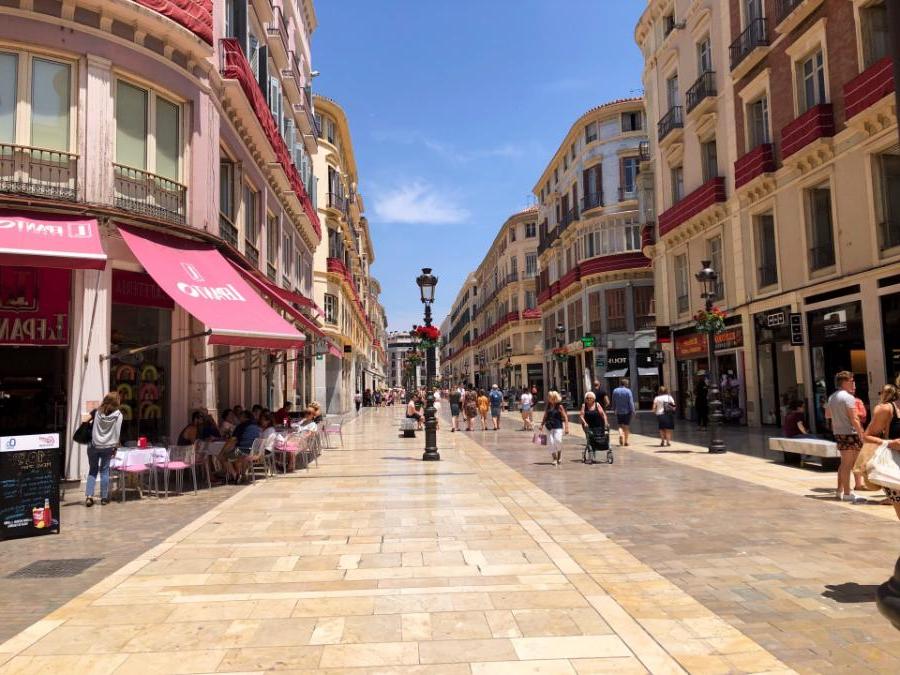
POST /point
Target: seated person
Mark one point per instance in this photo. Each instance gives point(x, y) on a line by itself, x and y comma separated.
point(308, 422)
point(282, 415)
point(191, 432)
point(228, 423)
point(794, 425)
point(317, 412)
point(209, 430)
point(244, 434)
point(412, 413)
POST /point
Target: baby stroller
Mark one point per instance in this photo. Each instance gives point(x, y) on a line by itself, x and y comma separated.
point(596, 439)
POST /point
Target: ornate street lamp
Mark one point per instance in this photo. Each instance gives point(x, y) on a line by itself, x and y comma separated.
point(508, 367)
point(427, 282)
point(708, 278)
point(560, 341)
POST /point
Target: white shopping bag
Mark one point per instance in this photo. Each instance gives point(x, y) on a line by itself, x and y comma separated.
point(884, 468)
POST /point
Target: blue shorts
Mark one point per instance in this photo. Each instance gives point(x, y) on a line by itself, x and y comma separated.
point(623, 418)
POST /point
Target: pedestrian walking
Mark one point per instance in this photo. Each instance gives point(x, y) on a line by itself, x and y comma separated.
point(593, 420)
point(496, 398)
point(526, 402)
point(470, 408)
point(455, 399)
point(105, 433)
point(664, 409)
point(623, 405)
point(484, 405)
point(885, 426)
point(556, 422)
point(848, 432)
point(600, 394)
point(357, 401)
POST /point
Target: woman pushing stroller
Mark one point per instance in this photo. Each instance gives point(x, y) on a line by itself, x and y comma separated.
point(596, 428)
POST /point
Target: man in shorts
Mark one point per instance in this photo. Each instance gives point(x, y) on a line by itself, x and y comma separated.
point(847, 430)
point(455, 399)
point(496, 398)
point(623, 404)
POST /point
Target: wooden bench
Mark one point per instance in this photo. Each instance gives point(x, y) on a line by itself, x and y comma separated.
point(797, 449)
point(408, 427)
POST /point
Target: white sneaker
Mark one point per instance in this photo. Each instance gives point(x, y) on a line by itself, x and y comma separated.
point(848, 497)
point(858, 499)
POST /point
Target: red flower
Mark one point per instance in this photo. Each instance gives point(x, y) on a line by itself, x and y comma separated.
point(431, 333)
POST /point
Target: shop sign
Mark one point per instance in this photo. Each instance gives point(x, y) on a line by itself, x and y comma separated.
point(587, 341)
point(29, 485)
point(135, 288)
point(617, 359)
point(600, 359)
point(730, 338)
point(690, 346)
point(34, 306)
point(775, 319)
point(796, 330)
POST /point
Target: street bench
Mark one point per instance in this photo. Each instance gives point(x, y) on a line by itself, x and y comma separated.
point(408, 427)
point(797, 449)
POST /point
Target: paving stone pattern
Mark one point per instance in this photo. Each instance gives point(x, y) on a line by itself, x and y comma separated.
point(794, 572)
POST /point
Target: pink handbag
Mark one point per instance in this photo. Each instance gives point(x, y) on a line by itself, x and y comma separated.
point(539, 439)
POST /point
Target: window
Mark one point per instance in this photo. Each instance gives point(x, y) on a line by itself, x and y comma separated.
point(875, 33)
point(758, 123)
point(632, 121)
point(592, 185)
point(570, 324)
point(811, 73)
point(49, 101)
point(704, 56)
point(572, 152)
point(819, 229)
point(677, 184)
point(530, 300)
point(287, 256)
point(710, 163)
point(251, 222)
point(555, 175)
point(644, 308)
point(632, 237)
point(530, 230)
point(889, 188)
point(595, 325)
point(615, 310)
point(672, 91)
point(714, 251)
point(630, 168)
point(668, 24)
point(530, 265)
point(514, 266)
point(590, 132)
point(512, 233)
point(579, 318)
point(681, 284)
point(753, 10)
point(226, 189)
point(331, 307)
point(271, 246)
point(565, 162)
point(766, 261)
point(138, 111)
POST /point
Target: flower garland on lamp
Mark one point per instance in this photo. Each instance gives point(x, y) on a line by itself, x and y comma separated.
point(710, 322)
point(429, 336)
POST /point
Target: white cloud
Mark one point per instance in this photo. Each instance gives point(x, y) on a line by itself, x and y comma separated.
point(453, 153)
point(418, 203)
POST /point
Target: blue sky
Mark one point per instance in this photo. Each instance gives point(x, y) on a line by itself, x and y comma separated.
point(455, 108)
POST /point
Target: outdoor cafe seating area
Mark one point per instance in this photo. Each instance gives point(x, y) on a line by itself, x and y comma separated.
point(162, 470)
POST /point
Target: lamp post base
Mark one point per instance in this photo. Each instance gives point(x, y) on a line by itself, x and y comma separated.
point(717, 448)
point(431, 456)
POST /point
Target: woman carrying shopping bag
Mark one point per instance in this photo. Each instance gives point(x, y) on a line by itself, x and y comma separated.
point(556, 422)
point(885, 426)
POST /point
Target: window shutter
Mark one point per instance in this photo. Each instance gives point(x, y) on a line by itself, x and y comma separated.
point(264, 72)
point(622, 173)
point(586, 183)
point(240, 24)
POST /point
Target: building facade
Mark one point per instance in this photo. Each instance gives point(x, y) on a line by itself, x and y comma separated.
point(595, 286)
point(157, 137)
point(343, 287)
point(403, 374)
point(801, 221)
point(457, 329)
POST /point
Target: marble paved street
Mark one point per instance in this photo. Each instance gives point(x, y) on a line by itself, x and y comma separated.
point(378, 562)
point(763, 545)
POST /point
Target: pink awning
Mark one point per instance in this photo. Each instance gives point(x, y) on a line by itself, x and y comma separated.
point(50, 240)
point(334, 351)
point(198, 278)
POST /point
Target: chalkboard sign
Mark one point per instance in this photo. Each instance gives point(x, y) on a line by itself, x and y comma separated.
point(29, 485)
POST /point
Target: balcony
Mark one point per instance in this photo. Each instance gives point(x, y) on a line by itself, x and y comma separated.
point(38, 172)
point(277, 31)
point(889, 236)
point(252, 253)
point(755, 37)
point(759, 161)
point(869, 87)
point(671, 120)
point(227, 230)
point(626, 195)
point(547, 241)
point(198, 19)
point(791, 13)
point(702, 91)
point(511, 277)
point(645, 322)
point(337, 203)
point(815, 123)
point(592, 200)
point(149, 195)
point(569, 217)
point(708, 194)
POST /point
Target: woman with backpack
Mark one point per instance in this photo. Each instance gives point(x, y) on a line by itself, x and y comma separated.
point(664, 407)
point(105, 432)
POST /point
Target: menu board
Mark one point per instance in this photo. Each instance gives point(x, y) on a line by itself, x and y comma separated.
point(29, 485)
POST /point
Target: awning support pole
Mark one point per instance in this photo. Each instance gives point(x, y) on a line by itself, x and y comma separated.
point(163, 343)
point(228, 356)
point(270, 365)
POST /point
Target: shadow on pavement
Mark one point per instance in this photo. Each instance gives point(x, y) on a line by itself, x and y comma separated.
point(851, 592)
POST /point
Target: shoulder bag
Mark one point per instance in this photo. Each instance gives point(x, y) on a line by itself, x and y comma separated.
point(884, 468)
point(84, 432)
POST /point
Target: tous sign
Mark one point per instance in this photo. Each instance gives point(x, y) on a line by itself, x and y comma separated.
point(226, 292)
point(73, 230)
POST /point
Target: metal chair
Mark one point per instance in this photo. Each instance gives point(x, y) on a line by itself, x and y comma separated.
point(333, 426)
point(257, 458)
point(179, 459)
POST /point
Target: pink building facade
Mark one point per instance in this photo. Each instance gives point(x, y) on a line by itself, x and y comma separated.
point(189, 122)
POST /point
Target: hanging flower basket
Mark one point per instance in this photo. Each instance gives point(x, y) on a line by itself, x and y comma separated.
point(429, 336)
point(560, 354)
point(710, 322)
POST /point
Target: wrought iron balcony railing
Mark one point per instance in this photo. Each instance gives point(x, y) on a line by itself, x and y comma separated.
point(644, 151)
point(671, 120)
point(148, 194)
point(38, 172)
point(704, 87)
point(591, 200)
point(783, 8)
point(755, 35)
point(227, 230)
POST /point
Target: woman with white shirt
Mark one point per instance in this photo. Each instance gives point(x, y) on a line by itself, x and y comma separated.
point(526, 401)
point(664, 407)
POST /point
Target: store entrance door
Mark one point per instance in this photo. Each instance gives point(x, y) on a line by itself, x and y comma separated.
point(33, 390)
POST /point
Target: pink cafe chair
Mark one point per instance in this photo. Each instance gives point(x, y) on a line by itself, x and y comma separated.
point(178, 460)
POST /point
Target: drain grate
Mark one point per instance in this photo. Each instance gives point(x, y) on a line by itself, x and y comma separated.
point(54, 568)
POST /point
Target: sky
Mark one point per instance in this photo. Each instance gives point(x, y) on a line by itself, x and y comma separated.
point(455, 109)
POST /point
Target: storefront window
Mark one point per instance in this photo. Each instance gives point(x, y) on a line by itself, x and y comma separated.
point(142, 379)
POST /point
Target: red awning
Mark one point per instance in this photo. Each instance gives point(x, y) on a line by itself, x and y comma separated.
point(197, 277)
point(280, 297)
point(50, 240)
point(334, 351)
